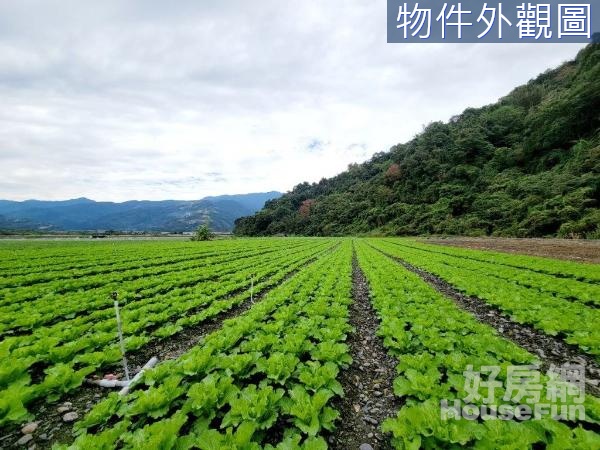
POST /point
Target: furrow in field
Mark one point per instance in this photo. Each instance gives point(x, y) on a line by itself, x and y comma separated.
point(89, 351)
point(572, 322)
point(166, 349)
point(568, 289)
point(587, 273)
point(550, 350)
point(438, 345)
point(368, 392)
point(265, 378)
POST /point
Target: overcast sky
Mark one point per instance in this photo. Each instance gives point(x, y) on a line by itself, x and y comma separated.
point(139, 99)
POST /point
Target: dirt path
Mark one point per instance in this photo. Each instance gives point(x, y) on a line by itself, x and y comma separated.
point(367, 383)
point(569, 249)
point(549, 349)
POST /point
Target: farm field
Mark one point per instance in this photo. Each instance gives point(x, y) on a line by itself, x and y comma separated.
point(286, 343)
point(569, 249)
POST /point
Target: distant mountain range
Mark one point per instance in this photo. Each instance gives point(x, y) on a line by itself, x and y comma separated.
point(169, 215)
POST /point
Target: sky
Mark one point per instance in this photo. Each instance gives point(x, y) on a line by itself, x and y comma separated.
point(117, 100)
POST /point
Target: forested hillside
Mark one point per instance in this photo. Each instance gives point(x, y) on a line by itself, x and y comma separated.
point(528, 165)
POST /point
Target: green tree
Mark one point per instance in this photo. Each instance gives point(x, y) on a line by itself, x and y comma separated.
point(203, 233)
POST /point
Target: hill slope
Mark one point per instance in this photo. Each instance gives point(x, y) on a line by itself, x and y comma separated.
point(528, 165)
point(168, 215)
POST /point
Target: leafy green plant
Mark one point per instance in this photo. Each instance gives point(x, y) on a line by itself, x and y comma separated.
point(434, 341)
point(253, 403)
point(310, 411)
point(237, 384)
point(279, 366)
point(210, 394)
point(316, 376)
point(161, 435)
point(156, 401)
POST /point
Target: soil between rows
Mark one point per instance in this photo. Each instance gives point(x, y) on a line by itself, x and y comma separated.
point(368, 383)
point(549, 349)
point(179, 343)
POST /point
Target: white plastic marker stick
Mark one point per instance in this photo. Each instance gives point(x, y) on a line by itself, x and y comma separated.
point(120, 330)
point(151, 363)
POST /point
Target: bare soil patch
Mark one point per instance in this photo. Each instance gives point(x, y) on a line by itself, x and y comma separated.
point(568, 249)
point(369, 398)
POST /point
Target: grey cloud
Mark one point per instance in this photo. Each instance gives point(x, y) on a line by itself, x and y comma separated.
point(126, 94)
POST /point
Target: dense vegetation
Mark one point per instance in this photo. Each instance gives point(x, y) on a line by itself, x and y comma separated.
point(270, 375)
point(528, 165)
point(55, 311)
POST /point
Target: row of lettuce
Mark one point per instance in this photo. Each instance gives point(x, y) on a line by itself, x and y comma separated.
point(38, 258)
point(435, 342)
point(117, 268)
point(267, 378)
point(550, 302)
point(263, 380)
point(49, 349)
point(22, 310)
point(558, 268)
